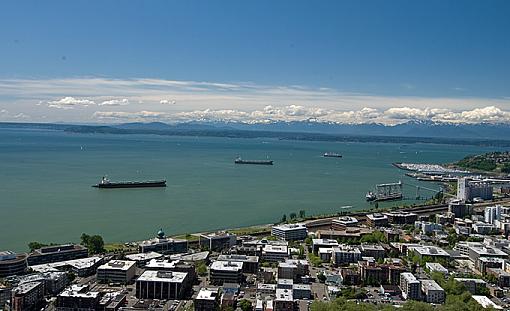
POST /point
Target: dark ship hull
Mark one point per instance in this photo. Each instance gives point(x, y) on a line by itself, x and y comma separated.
point(132, 184)
point(332, 155)
point(256, 162)
point(390, 197)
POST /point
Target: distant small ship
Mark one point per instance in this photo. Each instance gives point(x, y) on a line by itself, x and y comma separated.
point(331, 155)
point(106, 183)
point(238, 160)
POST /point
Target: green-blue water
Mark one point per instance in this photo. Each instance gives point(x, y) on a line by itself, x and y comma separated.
point(46, 178)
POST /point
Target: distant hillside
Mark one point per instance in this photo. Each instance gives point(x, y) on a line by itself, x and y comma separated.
point(408, 129)
point(160, 126)
point(411, 132)
point(498, 162)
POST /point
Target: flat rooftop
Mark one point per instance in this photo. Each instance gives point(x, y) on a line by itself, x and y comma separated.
point(79, 291)
point(485, 302)
point(263, 286)
point(285, 281)
point(79, 264)
point(376, 216)
point(276, 249)
point(161, 276)
point(290, 227)
point(26, 287)
point(217, 235)
point(324, 242)
point(235, 257)
point(430, 285)
point(409, 277)
point(436, 266)
point(191, 256)
point(156, 241)
point(123, 265)
point(284, 295)
point(63, 248)
point(286, 265)
point(375, 247)
point(346, 219)
point(7, 255)
point(302, 262)
point(161, 264)
point(144, 256)
point(227, 265)
point(429, 250)
point(208, 294)
point(487, 251)
point(478, 281)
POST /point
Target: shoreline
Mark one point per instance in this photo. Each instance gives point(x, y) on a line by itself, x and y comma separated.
point(265, 229)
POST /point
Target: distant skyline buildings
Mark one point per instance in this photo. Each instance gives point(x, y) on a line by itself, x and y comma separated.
point(258, 62)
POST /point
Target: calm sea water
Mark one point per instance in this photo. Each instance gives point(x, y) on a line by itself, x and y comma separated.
point(46, 178)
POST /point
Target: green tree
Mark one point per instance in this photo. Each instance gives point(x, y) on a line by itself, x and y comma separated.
point(301, 254)
point(321, 277)
point(71, 277)
point(201, 268)
point(314, 260)
point(94, 243)
point(245, 305)
point(292, 215)
point(35, 245)
point(284, 218)
point(301, 214)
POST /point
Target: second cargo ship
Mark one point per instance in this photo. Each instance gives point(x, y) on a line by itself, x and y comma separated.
point(238, 160)
point(106, 183)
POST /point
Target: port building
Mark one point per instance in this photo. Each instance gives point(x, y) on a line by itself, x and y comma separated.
point(275, 253)
point(27, 296)
point(217, 241)
point(377, 220)
point(78, 297)
point(56, 253)
point(12, 263)
point(163, 285)
point(250, 263)
point(468, 190)
point(290, 232)
point(226, 272)
point(116, 271)
point(164, 245)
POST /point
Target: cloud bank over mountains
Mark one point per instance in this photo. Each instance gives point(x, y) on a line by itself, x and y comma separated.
point(270, 114)
point(106, 100)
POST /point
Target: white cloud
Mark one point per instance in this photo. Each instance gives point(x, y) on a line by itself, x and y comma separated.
point(5, 115)
point(268, 114)
point(120, 115)
point(167, 102)
point(119, 99)
point(115, 102)
point(486, 114)
point(69, 102)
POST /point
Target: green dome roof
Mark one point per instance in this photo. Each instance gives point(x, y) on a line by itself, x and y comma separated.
point(161, 234)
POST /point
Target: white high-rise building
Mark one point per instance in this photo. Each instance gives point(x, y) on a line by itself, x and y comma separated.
point(492, 213)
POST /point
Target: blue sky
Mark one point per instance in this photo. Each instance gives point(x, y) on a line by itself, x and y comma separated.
point(404, 51)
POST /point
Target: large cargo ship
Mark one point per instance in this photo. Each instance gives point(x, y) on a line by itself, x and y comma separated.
point(385, 192)
point(106, 183)
point(259, 162)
